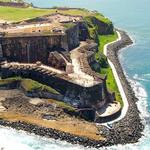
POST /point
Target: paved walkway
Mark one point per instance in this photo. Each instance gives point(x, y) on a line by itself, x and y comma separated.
point(120, 87)
point(109, 109)
point(81, 77)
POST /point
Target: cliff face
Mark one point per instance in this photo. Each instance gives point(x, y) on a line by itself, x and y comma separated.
point(102, 28)
point(83, 31)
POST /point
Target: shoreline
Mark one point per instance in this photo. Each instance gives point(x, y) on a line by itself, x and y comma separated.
point(127, 130)
point(117, 79)
point(130, 128)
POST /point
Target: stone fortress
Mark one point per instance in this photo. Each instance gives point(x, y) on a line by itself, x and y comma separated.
point(56, 50)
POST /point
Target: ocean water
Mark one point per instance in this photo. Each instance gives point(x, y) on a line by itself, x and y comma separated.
point(132, 16)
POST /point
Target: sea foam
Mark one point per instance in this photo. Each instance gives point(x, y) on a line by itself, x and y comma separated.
point(142, 104)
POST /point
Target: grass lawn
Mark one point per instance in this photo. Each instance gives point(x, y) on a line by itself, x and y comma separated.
point(28, 84)
point(104, 39)
point(111, 83)
point(62, 105)
point(19, 14)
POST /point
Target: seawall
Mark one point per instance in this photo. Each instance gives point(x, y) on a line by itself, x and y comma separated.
point(129, 129)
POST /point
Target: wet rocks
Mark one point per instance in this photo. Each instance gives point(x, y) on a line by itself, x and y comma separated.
point(129, 129)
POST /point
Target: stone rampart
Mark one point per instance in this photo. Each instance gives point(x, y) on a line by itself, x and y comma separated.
point(74, 94)
point(73, 37)
point(34, 47)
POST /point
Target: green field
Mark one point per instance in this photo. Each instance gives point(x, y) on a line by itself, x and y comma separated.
point(111, 83)
point(28, 85)
point(104, 39)
point(19, 14)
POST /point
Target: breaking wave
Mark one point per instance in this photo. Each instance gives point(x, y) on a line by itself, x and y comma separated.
point(148, 74)
point(138, 78)
point(11, 139)
point(142, 104)
point(142, 96)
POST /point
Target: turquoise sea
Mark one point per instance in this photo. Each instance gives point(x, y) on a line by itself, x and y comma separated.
point(132, 16)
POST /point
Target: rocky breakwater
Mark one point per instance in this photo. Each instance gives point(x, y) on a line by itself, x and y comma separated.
point(130, 128)
point(52, 133)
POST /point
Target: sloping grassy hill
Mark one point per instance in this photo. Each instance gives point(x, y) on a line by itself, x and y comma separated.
point(28, 85)
point(19, 14)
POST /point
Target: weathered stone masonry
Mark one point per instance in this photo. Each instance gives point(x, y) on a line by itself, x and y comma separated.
point(33, 47)
point(58, 57)
point(85, 96)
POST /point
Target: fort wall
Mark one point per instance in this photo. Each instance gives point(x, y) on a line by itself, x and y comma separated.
point(74, 94)
point(30, 49)
point(70, 74)
point(73, 37)
point(34, 47)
